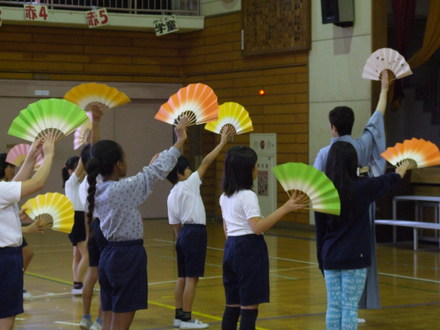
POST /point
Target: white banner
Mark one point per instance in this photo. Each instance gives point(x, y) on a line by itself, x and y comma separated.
point(35, 12)
point(97, 17)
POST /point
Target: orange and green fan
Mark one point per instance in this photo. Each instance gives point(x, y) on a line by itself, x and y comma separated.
point(197, 101)
point(385, 58)
point(49, 115)
point(233, 115)
point(419, 152)
point(53, 210)
point(305, 179)
point(17, 154)
point(88, 93)
point(82, 134)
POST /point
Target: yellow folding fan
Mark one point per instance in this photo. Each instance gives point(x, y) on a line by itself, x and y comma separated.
point(82, 133)
point(197, 101)
point(419, 152)
point(233, 115)
point(17, 154)
point(385, 58)
point(305, 179)
point(88, 93)
point(54, 210)
point(49, 115)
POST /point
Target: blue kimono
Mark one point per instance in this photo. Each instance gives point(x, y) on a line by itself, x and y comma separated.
point(368, 147)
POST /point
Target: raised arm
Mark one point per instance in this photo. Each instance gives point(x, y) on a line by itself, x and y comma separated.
point(180, 131)
point(39, 179)
point(209, 158)
point(27, 168)
point(382, 103)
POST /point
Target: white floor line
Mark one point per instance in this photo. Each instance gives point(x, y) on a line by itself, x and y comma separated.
point(411, 278)
point(66, 323)
point(50, 294)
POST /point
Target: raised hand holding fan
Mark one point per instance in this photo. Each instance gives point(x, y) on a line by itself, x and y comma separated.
point(53, 210)
point(299, 178)
point(49, 115)
point(419, 152)
point(233, 115)
point(85, 95)
point(385, 58)
point(17, 154)
point(197, 101)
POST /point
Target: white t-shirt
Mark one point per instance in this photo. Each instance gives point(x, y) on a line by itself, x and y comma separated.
point(10, 225)
point(71, 188)
point(237, 209)
point(185, 205)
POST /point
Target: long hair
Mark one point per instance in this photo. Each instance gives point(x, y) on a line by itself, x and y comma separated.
point(104, 156)
point(71, 164)
point(237, 173)
point(341, 168)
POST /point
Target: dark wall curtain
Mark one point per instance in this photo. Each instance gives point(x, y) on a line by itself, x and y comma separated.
point(404, 13)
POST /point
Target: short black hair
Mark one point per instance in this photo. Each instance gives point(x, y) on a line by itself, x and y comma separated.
point(237, 173)
point(3, 165)
point(342, 118)
point(181, 166)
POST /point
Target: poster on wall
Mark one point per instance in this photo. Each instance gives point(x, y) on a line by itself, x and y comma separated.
point(1, 17)
point(97, 17)
point(265, 145)
point(35, 12)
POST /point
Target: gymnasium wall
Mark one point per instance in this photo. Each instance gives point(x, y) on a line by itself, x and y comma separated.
point(212, 56)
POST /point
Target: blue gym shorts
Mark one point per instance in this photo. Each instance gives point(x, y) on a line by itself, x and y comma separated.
point(246, 270)
point(78, 233)
point(96, 243)
point(191, 250)
point(11, 281)
point(123, 276)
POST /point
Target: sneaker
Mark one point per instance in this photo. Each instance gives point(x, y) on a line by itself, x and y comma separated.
point(26, 295)
point(96, 326)
point(176, 323)
point(193, 324)
point(361, 320)
point(85, 323)
point(77, 291)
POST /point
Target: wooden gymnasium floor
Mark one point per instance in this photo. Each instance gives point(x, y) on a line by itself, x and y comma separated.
point(409, 283)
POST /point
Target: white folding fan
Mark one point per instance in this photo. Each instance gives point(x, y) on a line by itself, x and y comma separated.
point(419, 152)
point(17, 154)
point(385, 58)
point(49, 115)
point(54, 210)
point(88, 93)
point(233, 115)
point(319, 189)
point(197, 101)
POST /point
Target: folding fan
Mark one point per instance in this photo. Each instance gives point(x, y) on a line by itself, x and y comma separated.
point(419, 152)
point(321, 192)
point(18, 153)
point(51, 209)
point(82, 134)
point(197, 101)
point(88, 93)
point(48, 115)
point(385, 58)
point(233, 115)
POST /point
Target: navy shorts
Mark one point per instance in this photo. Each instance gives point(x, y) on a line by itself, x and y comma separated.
point(25, 243)
point(123, 276)
point(191, 250)
point(246, 270)
point(96, 243)
point(11, 281)
point(78, 233)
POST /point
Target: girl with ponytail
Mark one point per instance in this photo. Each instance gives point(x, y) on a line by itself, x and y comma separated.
point(115, 201)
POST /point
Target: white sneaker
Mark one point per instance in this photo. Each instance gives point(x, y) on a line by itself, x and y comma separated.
point(77, 292)
point(85, 323)
point(361, 320)
point(176, 323)
point(96, 326)
point(26, 295)
point(193, 324)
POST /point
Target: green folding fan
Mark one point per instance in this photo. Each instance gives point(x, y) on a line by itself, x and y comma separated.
point(49, 115)
point(306, 179)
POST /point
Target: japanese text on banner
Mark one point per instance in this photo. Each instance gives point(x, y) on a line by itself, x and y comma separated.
point(97, 17)
point(35, 12)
